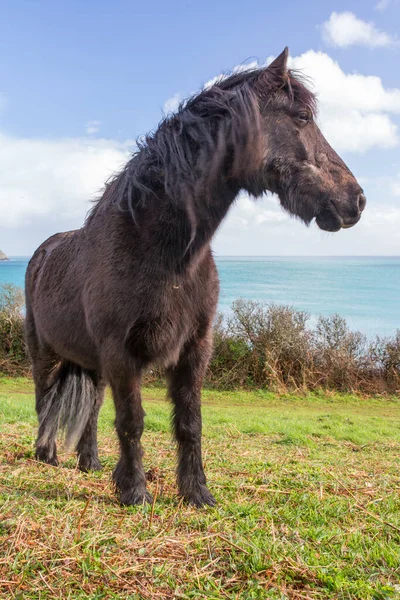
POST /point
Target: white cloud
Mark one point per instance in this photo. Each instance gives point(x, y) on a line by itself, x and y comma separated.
point(354, 109)
point(92, 127)
point(53, 179)
point(382, 5)
point(363, 131)
point(172, 104)
point(345, 29)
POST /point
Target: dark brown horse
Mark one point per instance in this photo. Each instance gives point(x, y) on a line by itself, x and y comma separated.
point(138, 284)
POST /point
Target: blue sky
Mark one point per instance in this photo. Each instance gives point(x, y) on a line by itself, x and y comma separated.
point(80, 80)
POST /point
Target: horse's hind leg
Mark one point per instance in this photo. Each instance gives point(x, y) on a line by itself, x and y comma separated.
point(87, 449)
point(46, 368)
point(185, 381)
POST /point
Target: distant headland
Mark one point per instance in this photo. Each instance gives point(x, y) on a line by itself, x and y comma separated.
point(3, 256)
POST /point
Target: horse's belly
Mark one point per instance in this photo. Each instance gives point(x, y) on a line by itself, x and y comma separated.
point(66, 334)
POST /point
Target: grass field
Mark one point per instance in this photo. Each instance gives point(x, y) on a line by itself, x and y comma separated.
point(308, 493)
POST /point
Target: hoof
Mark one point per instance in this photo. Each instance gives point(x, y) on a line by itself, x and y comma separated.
point(131, 487)
point(200, 497)
point(135, 498)
point(46, 456)
point(89, 463)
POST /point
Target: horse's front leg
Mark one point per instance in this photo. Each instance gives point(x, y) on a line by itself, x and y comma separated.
point(185, 381)
point(129, 475)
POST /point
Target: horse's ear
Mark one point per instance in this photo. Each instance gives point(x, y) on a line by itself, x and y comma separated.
point(279, 65)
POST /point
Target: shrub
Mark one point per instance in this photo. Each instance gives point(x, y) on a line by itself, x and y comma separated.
point(230, 365)
point(258, 345)
point(278, 340)
point(339, 353)
point(385, 355)
point(13, 350)
point(271, 346)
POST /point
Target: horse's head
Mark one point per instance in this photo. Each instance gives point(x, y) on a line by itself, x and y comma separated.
point(299, 165)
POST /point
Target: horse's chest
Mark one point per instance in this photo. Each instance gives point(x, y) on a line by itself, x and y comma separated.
point(159, 336)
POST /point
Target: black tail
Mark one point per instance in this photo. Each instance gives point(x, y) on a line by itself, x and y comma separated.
point(67, 405)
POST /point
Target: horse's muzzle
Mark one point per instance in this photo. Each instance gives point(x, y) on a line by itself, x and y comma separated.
point(333, 217)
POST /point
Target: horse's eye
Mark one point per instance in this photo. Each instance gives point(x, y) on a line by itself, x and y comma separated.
point(303, 117)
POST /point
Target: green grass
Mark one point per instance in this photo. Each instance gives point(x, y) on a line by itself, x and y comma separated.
point(308, 505)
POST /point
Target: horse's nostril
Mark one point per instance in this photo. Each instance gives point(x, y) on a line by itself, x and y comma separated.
point(361, 202)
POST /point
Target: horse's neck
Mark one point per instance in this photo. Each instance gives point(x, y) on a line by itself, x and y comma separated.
point(204, 220)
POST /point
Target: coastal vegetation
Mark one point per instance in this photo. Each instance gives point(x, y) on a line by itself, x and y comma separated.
point(258, 346)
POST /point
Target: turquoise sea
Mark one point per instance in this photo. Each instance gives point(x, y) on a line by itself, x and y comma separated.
point(364, 290)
